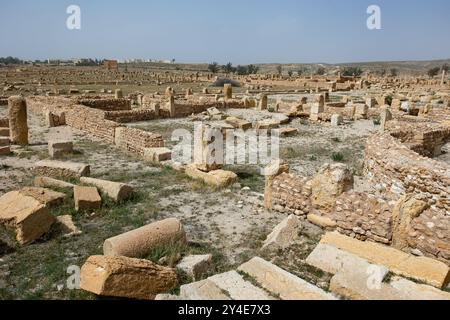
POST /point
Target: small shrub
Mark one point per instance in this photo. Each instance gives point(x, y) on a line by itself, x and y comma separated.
point(376, 121)
point(271, 109)
point(337, 157)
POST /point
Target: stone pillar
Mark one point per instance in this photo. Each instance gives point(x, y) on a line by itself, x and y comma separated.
point(263, 102)
point(228, 91)
point(18, 125)
point(171, 106)
point(119, 94)
point(443, 78)
point(206, 152)
point(274, 169)
point(385, 116)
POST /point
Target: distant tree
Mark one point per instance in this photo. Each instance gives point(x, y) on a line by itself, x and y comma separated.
point(11, 60)
point(213, 67)
point(300, 71)
point(394, 72)
point(383, 72)
point(242, 70)
point(433, 72)
point(252, 69)
point(228, 68)
point(320, 71)
point(352, 72)
point(280, 69)
point(290, 73)
point(445, 67)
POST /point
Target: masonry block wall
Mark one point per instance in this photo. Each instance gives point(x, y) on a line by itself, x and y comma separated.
point(135, 140)
point(106, 104)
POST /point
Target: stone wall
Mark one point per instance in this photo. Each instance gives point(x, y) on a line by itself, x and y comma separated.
point(397, 169)
point(136, 140)
point(92, 121)
point(135, 115)
point(106, 104)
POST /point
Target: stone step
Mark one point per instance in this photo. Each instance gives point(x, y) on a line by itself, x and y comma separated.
point(282, 283)
point(238, 288)
point(202, 290)
point(422, 269)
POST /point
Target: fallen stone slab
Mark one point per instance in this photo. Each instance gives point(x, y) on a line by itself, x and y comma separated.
point(217, 178)
point(321, 221)
point(238, 123)
point(115, 190)
point(29, 218)
point(45, 196)
point(140, 242)
point(202, 290)
point(413, 291)
point(282, 283)
point(267, 124)
point(238, 288)
point(57, 148)
point(167, 297)
point(358, 285)
point(157, 154)
point(126, 277)
point(423, 269)
point(66, 226)
point(333, 260)
point(86, 198)
point(46, 182)
point(284, 234)
point(196, 266)
point(54, 168)
point(287, 132)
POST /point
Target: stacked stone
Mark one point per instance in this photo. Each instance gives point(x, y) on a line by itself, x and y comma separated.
point(131, 116)
point(430, 234)
point(399, 170)
point(363, 217)
point(106, 104)
point(288, 194)
point(136, 140)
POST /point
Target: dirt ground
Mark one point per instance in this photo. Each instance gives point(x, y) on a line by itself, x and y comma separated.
point(230, 223)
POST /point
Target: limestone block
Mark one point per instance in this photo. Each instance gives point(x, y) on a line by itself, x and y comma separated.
point(239, 123)
point(282, 283)
point(140, 242)
point(18, 120)
point(58, 148)
point(66, 169)
point(196, 266)
point(4, 132)
point(115, 190)
point(29, 218)
point(336, 120)
point(284, 234)
point(126, 277)
point(46, 182)
point(86, 198)
point(5, 150)
point(67, 226)
point(202, 290)
point(157, 154)
point(321, 221)
point(45, 196)
point(217, 178)
point(237, 288)
point(423, 269)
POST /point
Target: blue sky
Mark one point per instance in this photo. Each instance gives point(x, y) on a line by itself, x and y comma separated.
point(245, 31)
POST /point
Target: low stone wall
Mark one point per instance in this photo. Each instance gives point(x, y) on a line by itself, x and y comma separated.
point(136, 140)
point(395, 168)
point(106, 104)
point(92, 121)
point(131, 116)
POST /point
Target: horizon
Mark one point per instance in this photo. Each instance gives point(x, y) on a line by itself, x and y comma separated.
point(206, 31)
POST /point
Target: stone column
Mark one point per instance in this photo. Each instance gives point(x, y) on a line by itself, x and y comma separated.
point(263, 102)
point(18, 120)
point(228, 91)
point(171, 106)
